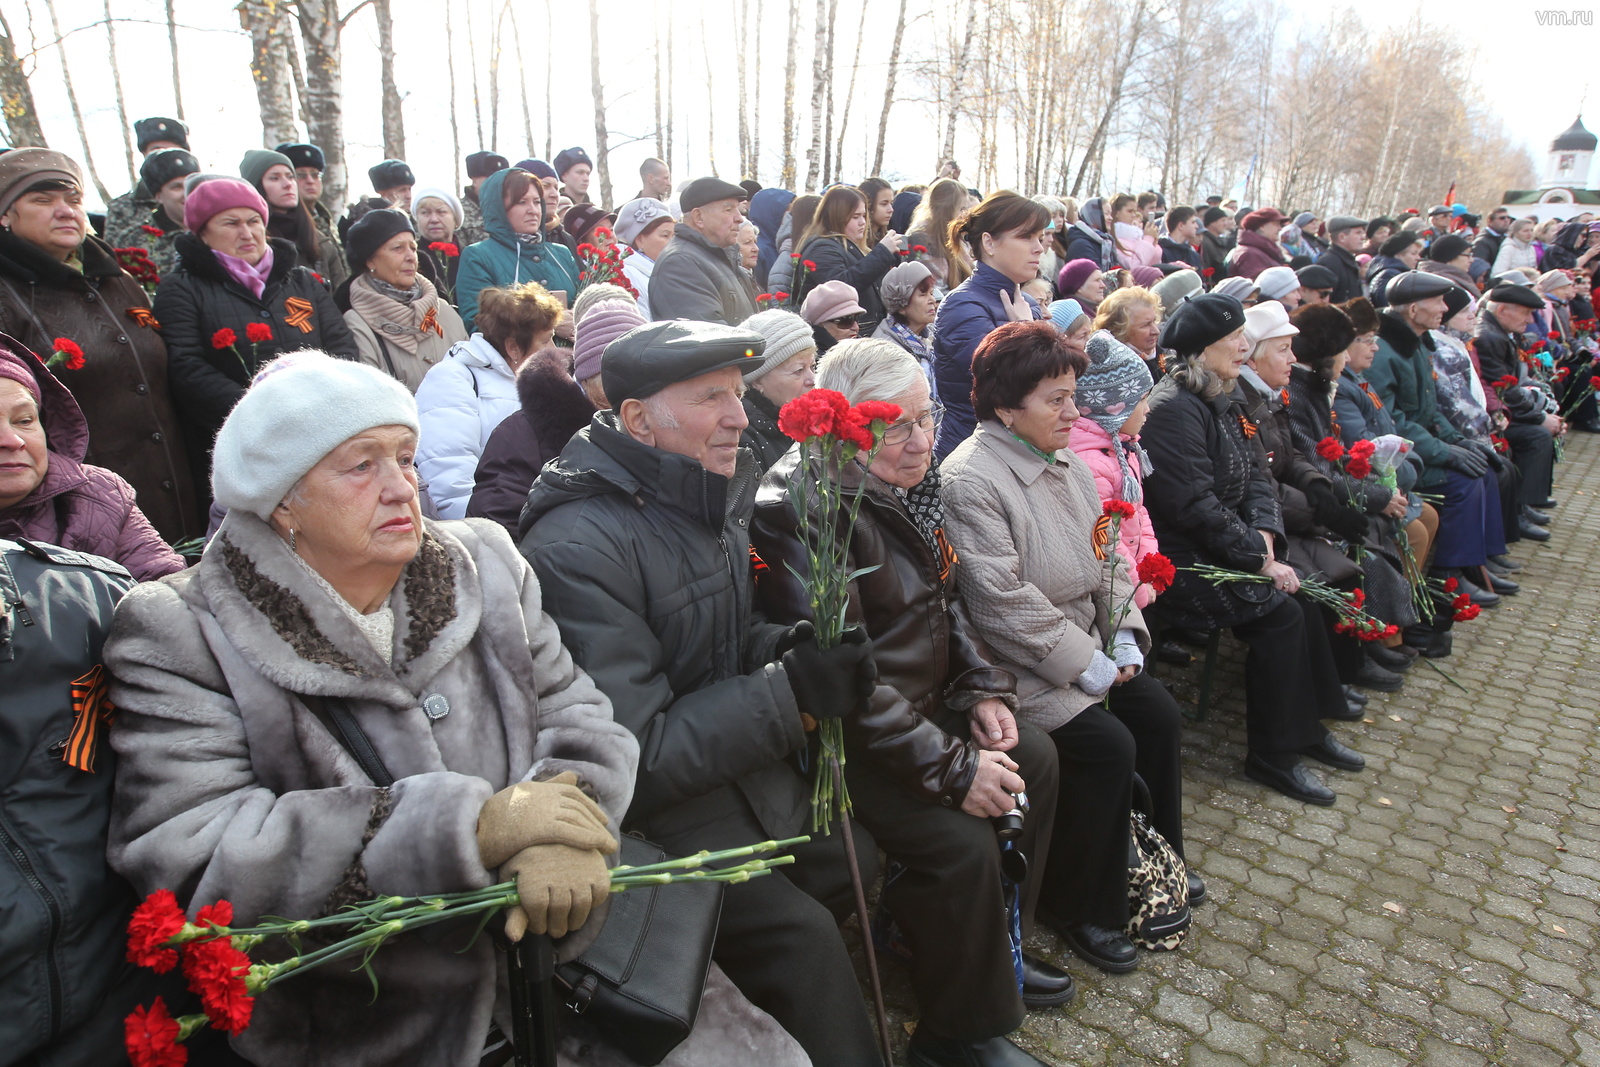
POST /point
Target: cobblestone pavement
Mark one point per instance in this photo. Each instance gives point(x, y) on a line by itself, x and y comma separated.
point(1443, 912)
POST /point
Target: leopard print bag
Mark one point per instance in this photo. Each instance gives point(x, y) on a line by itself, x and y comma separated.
point(1158, 885)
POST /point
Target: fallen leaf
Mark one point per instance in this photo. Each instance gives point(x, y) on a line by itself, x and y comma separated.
point(1508, 809)
point(1558, 929)
point(1390, 905)
point(911, 1028)
point(1369, 722)
point(1561, 848)
point(1395, 718)
point(1386, 802)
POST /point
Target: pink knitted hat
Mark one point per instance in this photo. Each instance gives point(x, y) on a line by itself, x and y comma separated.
point(217, 195)
point(602, 323)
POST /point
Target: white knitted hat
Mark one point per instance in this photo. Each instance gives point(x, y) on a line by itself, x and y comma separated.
point(787, 336)
point(299, 407)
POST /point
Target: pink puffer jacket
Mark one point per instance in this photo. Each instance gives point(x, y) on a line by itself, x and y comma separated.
point(79, 506)
point(1093, 446)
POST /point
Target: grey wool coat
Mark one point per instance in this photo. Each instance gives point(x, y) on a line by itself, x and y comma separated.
point(229, 787)
point(1034, 587)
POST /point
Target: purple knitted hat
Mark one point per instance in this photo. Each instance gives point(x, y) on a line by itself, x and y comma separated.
point(1074, 274)
point(601, 324)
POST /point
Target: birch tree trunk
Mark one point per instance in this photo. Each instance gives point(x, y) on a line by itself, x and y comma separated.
point(320, 26)
point(269, 69)
point(788, 177)
point(16, 97)
point(661, 150)
point(711, 101)
point(850, 93)
point(819, 87)
point(741, 29)
point(495, 38)
point(888, 89)
point(549, 65)
point(450, 74)
point(755, 136)
point(957, 73)
point(522, 85)
point(829, 166)
point(283, 42)
point(172, 46)
point(122, 103)
point(602, 159)
point(1119, 78)
point(472, 68)
point(667, 159)
point(72, 99)
point(394, 123)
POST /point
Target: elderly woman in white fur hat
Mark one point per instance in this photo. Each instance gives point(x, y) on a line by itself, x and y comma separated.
point(326, 594)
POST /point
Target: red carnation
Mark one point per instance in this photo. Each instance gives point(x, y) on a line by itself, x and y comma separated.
point(1157, 571)
point(1120, 508)
point(762, 298)
point(602, 231)
point(808, 265)
point(216, 972)
point(1468, 613)
point(1362, 449)
point(1330, 449)
point(68, 353)
point(587, 249)
point(1359, 468)
point(1358, 597)
point(153, 231)
point(794, 255)
point(1208, 271)
point(444, 248)
point(1555, 335)
point(871, 411)
point(154, 922)
point(852, 428)
point(151, 1037)
point(1451, 585)
point(257, 332)
point(922, 249)
point(224, 338)
point(814, 414)
point(781, 296)
point(1505, 381)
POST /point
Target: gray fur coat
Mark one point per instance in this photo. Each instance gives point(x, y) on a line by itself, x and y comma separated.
point(228, 786)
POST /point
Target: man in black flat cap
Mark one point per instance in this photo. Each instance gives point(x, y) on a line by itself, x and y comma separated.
point(1346, 236)
point(695, 277)
point(1506, 314)
point(309, 164)
point(640, 535)
point(479, 166)
point(392, 180)
point(128, 212)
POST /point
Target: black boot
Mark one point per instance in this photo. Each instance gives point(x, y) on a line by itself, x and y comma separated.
point(929, 1051)
point(1044, 985)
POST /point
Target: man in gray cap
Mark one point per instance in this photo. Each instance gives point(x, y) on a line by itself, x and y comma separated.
point(695, 276)
point(1507, 313)
point(1346, 235)
point(640, 535)
point(126, 212)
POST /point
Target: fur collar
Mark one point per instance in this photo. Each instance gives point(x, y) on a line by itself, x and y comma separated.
point(1398, 335)
point(290, 630)
point(31, 265)
point(554, 405)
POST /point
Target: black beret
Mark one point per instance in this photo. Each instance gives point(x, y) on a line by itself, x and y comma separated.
point(1399, 243)
point(303, 155)
point(648, 358)
point(161, 129)
point(703, 191)
point(483, 164)
point(1447, 247)
point(1377, 224)
point(1200, 322)
point(568, 158)
point(1521, 295)
point(1212, 214)
point(371, 232)
point(1316, 276)
point(391, 174)
point(1410, 286)
point(165, 164)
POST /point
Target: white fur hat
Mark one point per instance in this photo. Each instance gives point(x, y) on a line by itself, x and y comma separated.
point(299, 407)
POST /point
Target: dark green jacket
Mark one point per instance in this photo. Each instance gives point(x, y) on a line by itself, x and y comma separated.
point(1402, 376)
point(644, 560)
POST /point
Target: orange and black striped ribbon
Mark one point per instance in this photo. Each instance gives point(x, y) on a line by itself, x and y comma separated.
point(299, 313)
point(144, 318)
point(430, 321)
point(1102, 536)
point(947, 554)
point(92, 712)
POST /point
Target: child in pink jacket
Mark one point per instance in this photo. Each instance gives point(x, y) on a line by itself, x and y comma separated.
point(1112, 405)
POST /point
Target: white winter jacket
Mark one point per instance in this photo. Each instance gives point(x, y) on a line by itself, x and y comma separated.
point(461, 400)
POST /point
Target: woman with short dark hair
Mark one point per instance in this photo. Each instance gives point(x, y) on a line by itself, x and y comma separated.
point(1022, 510)
point(1005, 235)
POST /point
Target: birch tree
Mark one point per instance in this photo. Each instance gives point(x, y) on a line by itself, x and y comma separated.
point(958, 69)
point(788, 176)
point(269, 68)
point(394, 128)
point(172, 46)
point(320, 27)
point(888, 89)
point(72, 101)
point(819, 86)
point(16, 97)
point(601, 159)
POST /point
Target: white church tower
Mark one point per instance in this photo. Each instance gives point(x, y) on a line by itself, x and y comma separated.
point(1571, 155)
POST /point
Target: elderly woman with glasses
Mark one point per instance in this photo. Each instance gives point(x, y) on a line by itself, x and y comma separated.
point(938, 752)
point(1055, 603)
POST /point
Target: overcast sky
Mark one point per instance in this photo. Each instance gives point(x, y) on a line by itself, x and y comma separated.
point(1534, 75)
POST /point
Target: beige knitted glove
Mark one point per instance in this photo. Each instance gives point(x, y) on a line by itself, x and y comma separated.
point(541, 813)
point(558, 886)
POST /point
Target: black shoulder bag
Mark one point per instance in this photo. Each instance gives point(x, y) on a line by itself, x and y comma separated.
point(638, 985)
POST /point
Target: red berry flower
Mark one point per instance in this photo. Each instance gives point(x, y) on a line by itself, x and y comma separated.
point(151, 1037)
point(1119, 508)
point(257, 332)
point(151, 925)
point(1468, 613)
point(1157, 571)
point(224, 338)
point(445, 248)
point(781, 296)
point(1330, 449)
point(814, 414)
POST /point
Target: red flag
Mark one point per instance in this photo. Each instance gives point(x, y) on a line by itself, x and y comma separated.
point(1450, 197)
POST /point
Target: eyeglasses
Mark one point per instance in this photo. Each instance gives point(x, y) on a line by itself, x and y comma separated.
point(845, 322)
point(900, 432)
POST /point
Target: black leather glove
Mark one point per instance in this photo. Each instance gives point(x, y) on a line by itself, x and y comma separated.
point(828, 683)
point(1466, 460)
point(1335, 514)
point(1496, 461)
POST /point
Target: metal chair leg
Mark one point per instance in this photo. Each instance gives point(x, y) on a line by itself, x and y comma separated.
point(1208, 671)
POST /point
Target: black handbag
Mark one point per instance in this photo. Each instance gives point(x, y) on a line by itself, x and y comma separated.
point(639, 984)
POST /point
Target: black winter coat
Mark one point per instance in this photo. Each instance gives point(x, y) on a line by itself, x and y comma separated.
point(1208, 500)
point(554, 407)
point(1179, 252)
point(839, 260)
point(644, 560)
point(1347, 272)
point(202, 298)
point(762, 437)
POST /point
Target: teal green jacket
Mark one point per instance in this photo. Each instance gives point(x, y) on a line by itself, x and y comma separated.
point(502, 260)
point(1402, 376)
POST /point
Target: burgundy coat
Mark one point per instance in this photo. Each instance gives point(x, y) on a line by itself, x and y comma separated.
point(79, 506)
point(554, 407)
point(1254, 254)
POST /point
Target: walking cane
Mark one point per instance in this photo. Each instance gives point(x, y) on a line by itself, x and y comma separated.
point(866, 925)
point(531, 964)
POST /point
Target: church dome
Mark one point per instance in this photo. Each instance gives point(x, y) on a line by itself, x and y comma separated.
point(1575, 139)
